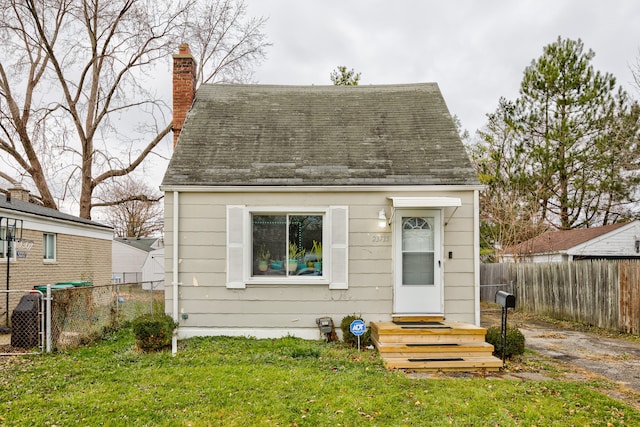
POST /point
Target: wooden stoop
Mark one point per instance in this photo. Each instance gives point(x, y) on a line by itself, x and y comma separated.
point(428, 343)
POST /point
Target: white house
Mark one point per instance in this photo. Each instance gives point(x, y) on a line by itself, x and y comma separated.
point(47, 247)
point(376, 175)
point(614, 241)
point(138, 260)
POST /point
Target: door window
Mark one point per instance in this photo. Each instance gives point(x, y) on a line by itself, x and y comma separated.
point(418, 251)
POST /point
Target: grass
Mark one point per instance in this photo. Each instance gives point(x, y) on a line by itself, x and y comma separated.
point(286, 382)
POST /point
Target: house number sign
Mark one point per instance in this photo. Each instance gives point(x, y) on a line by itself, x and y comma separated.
point(380, 238)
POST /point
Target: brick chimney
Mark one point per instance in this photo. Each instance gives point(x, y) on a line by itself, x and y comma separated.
point(18, 193)
point(184, 87)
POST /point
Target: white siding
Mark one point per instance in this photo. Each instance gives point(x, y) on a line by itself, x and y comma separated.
point(620, 242)
point(127, 261)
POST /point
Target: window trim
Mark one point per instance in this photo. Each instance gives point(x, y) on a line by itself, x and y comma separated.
point(288, 210)
point(4, 246)
point(55, 247)
point(335, 246)
point(323, 213)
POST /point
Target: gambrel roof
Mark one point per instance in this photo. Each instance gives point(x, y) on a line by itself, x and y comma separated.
point(257, 135)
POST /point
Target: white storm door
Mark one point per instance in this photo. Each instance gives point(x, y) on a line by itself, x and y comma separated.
point(417, 262)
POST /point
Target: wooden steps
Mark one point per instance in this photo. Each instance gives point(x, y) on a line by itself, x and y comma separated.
point(431, 344)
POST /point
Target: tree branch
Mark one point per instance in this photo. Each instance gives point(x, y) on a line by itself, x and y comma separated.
point(137, 197)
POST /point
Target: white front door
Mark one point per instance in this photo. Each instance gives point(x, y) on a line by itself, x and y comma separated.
point(417, 262)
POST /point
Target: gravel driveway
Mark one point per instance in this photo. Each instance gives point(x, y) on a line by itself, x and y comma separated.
point(616, 359)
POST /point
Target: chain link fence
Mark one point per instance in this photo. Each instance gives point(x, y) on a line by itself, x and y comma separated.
point(79, 315)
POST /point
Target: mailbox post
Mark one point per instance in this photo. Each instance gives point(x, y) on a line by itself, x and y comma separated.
point(506, 301)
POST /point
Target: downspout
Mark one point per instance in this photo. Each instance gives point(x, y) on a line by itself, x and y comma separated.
point(174, 257)
point(476, 252)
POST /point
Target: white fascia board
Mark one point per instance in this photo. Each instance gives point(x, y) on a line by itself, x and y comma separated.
point(59, 226)
point(318, 188)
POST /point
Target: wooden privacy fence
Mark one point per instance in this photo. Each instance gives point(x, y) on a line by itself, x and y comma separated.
point(605, 294)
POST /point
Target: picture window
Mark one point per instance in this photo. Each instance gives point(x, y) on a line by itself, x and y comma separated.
point(287, 244)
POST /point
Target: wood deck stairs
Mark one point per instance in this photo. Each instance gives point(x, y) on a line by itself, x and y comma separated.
point(428, 343)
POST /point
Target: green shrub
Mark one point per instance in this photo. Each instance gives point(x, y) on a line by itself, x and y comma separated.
point(515, 341)
point(153, 331)
point(349, 338)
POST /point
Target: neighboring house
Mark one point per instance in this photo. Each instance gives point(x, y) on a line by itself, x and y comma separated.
point(615, 241)
point(55, 247)
point(138, 260)
point(153, 269)
point(376, 175)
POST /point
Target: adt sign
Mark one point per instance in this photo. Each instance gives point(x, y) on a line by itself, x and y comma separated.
point(357, 327)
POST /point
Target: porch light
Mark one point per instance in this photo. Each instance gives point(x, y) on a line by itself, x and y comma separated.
point(382, 219)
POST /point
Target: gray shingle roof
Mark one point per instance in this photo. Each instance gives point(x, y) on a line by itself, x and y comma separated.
point(319, 135)
point(141, 243)
point(33, 209)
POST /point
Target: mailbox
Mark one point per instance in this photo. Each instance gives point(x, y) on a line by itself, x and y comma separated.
point(505, 299)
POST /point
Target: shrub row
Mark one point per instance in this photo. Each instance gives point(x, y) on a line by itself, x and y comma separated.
point(154, 332)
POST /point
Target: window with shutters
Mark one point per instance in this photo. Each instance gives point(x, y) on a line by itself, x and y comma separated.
point(293, 245)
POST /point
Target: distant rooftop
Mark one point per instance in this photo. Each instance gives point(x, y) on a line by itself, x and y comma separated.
point(34, 209)
point(143, 243)
point(556, 241)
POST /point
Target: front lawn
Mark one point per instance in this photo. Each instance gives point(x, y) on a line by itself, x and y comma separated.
point(286, 382)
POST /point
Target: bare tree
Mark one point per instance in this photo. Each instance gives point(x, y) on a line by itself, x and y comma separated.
point(224, 40)
point(78, 105)
point(133, 209)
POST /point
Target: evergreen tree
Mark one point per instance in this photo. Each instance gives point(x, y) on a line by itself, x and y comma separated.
point(565, 152)
point(343, 77)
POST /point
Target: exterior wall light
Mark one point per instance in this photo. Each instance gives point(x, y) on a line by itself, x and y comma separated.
point(382, 219)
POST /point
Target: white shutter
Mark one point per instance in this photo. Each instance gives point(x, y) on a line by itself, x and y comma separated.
point(339, 244)
point(235, 247)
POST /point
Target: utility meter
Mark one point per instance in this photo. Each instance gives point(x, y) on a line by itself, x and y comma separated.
point(325, 324)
